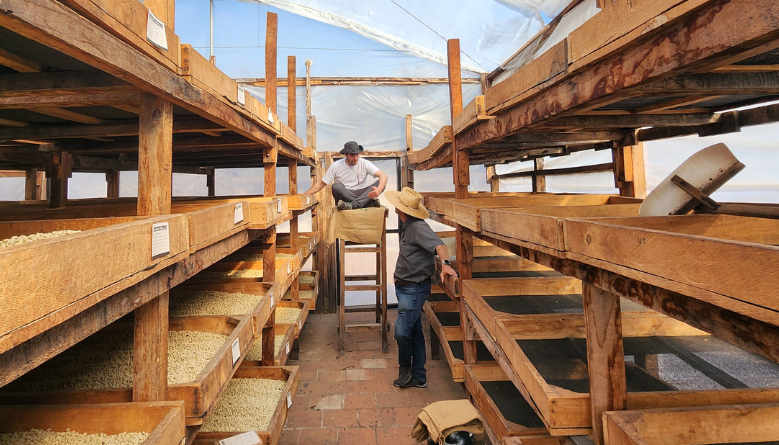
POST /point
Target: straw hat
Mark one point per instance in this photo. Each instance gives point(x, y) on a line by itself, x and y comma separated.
point(408, 201)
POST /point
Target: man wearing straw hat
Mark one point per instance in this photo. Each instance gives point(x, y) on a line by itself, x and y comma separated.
point(349, 177)
point(413, 275)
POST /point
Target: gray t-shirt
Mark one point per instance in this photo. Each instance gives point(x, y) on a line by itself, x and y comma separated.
point(416, 261)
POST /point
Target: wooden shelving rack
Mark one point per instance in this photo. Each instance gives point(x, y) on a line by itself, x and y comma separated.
point(85, 90)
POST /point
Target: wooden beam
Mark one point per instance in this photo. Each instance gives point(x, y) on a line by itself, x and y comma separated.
point(271, 36)
point(459, 162)
point(409, 134)
point(59, 180)
point(62, 83)
point(492, 179)
point(605, 355)
point(360, 81)
point(31, 187)
point(715, 84)
point(539, 179)
point(112, 183)
point(68, 100)
point(562, 171)
point(67, 115)
point(633, 120)
point(211, 182)
point(150, 351)
point(292, 94)
point(17, 63)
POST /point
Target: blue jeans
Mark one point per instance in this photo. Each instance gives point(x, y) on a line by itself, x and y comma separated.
point(408, 327)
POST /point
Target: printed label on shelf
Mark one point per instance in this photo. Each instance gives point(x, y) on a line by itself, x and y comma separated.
point(241, 95)
point(300, 325)
point(272, 301)
point(247, 438)
point(278, 205)
point(289, 268)
point(155, 32)
point(236, 350)
point(160, 240)
point(270, 117)
point(308, 199)
point(289, 401)
point(287, 348)
point(238, 217)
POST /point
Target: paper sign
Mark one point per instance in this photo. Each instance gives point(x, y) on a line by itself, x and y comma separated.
point(289, 268)
point(241, 95)
point(160, 240)
point(155, 32)
point(247, 438)
point(289, 401)
point(272, 301)
point(278, 205)
point(287, 348)
point(270, 116)
point(308, 199)
point(300, 325)
point(238, 216)
point(236, 350)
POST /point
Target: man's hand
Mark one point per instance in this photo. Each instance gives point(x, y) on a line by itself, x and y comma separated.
point(447, 270)
point(375, 193)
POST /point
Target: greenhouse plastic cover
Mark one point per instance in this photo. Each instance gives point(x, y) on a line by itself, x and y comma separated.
point(490, 31)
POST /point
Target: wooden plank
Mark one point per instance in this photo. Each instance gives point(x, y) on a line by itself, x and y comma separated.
point(205, 75)
point(271, 34)
point(445, 335)
point(155, 156)
point(550, 65)
point(677, 426)
point(543, 225)
point(215, 223)
point(605, 355)
point(163, 421)
point(470, 115)
point(439, 141)
point(697, 243)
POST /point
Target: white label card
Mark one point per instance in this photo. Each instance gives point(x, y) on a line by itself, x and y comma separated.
point(300, 325)
point(289, 401)
point(160, 239)
point(155, 32)
point(287, 348)
point(247, 438)
point(308, 199)
point(289, 268)
point(236, 350)
point(272, 301)
point(270, 117)
point(278, 205)
point(241, 95)
point(238, 216)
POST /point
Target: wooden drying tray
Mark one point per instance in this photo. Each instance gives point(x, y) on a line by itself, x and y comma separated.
point(264, 212)
point(301, 320)
point(286, 269)
point(288, 374)
point(474, 112)
point(314, 287)
point(164, 421)
point(732, 424)
point(445, 334)
point(526, 424)
point(438, 151)
point(566, 412)
point(498, 267)
point(127, 21)
point(435, 201)
point(466, 212)
point(728, 261)
point(279, 358)
point(306, 240)
point(48, 281)
point(541, 227)
point(198, 396)
point(261, 312)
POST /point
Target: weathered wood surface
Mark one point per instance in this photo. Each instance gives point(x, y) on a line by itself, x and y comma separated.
point(732, 256)
point(702, 425)
point(439, 141)
point(543, 225)
point(198, 395)
point(445, 334)
point(300, 202)
point(216, 223)
point(206, 76)
point(85, 263)
point(470, 115)
point(163, 421)
point(289, 374)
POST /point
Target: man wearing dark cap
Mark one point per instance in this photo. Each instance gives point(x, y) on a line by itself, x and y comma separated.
point(349, 177)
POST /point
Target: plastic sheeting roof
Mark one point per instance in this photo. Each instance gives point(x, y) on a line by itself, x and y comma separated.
point(490, 31)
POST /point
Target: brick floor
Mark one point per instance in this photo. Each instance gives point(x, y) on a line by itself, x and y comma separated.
point(350, 399)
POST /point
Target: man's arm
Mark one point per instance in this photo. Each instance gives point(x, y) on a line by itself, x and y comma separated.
point(443, 253)
point(316, 187)
point(382, 183)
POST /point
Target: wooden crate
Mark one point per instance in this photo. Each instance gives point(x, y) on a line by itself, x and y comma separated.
point(128, 21)
point(264, 212)
point(300, 202)
point(727, 260)
point(301, 320)
point(215, 223)
point(198, 396)
point(48, 281)
point(287, 331)
point(261, 312)
point(311, 287)
point(732, 424)
point(440, 141)
point(289, 374)
point(282, 274)
point(503, 410)
point(466, 212)
point(164, 421)
point(558, 384)
point(206, 76)
point(434, 201)
point(542, 226)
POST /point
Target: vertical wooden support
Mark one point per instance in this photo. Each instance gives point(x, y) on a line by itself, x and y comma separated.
point(309, 131)
point(409, 134)
point(407, 174)
point(492, 179)
point(59, 183)
point(293, 164)
point(629, 173)
point(331, 268)
point(539, 180)
point(292, 81)
point(341, 295)
point(268, 275)
point(31, 187)
point(42, 186)
point(271, 35)
point(460, 162)
point(211, 182)
point(382, 275)
point(155, 165)
point(605, 355)
point(112, 183)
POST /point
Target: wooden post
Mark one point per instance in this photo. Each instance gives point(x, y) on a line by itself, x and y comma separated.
point(407, 174)
point(629, 172)
point(211, 182)
point(539, 180)
point(112, 183)
point(41, 194)
point(292, 94)
point(460, 159)
point(271, 28)
point(155, 165)
point(409, 134)
point(331, 267)
point(605, 355)
point(492, 179)
point(309, 131)
point(59, 183)
point(293, 164)
point(31, 189)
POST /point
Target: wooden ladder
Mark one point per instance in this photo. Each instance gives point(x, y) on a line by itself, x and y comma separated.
point(380, 278)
